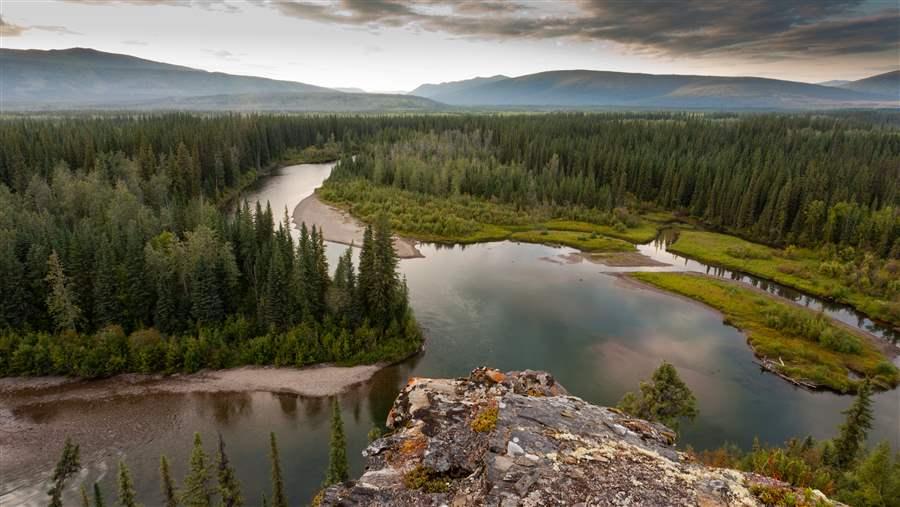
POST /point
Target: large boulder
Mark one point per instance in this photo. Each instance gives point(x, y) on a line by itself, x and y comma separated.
point(519, 438)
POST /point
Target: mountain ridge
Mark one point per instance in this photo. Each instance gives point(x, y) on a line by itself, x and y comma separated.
point(84, 78)
point(591, 88)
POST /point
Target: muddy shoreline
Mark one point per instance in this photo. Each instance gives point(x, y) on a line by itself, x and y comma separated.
point(339, 227)
point(34, 422)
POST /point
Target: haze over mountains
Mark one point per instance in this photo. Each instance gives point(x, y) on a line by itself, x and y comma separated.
point(573, 88)
point(81, 78)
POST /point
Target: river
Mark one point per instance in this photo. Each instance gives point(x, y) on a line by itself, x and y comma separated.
point(504, 304)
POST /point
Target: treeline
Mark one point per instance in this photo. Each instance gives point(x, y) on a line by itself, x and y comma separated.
point(208, 481)
point(777, 179)
point(118, 254)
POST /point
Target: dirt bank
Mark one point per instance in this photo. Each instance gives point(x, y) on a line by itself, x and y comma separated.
point(340, 227)
point(312, 381)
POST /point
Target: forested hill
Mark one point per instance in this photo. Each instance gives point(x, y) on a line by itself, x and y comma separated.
point(81, 78)
point(887, 84)
point(588, 88)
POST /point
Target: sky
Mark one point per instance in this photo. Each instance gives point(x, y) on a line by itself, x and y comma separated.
point(392, 45)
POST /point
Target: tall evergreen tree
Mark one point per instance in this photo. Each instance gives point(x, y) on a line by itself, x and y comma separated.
point(853, 431)
point(98, 496)
point(61, 300)
point(366, 280)
point(278, 497)
point(170, 495)
point(68, 465)
point(229, 487)
point(127, 495)
point(338, 469)
point(196, 491)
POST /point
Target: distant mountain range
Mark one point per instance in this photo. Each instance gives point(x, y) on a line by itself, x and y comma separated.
point(887, 84)
point(588, 88)
point(81, 78)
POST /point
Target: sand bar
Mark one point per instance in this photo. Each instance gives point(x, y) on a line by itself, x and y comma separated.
point(339, 227)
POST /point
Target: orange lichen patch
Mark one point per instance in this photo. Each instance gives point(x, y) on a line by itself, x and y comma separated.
point(411, 381)
point(496, 375)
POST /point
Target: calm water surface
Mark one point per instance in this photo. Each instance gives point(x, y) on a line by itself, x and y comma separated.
point(512, 306)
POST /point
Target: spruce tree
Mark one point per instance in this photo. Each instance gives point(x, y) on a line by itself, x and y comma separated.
point(278, 497)
point(107, 309)
point(196, 491)
point(126, 487)
point(338, 469)
point(664, 398)
point(69, 463)
point(170, 496)
point(60, 299)
point(856, 426)
point(98, 496)
point(365, 280)
point(229, 487)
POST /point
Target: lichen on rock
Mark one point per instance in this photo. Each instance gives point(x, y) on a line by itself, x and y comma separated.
point(544, 447)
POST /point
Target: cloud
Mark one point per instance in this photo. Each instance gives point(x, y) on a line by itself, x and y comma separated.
point(222, 54)
point(223, 5)
point(135, 42)
point(12, 30)
point(9, 29)
point(753, 29)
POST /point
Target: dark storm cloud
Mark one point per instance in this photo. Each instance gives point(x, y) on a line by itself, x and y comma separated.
point(751, 28)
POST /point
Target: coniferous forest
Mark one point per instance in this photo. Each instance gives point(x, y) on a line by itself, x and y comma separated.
point(120, 249)
point(121, 253)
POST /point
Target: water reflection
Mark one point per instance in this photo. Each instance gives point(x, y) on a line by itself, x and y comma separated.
point(498, 304)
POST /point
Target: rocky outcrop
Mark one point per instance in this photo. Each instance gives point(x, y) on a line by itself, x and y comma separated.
point(518, 438)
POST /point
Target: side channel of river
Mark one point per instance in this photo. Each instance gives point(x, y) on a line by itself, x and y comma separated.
point(501, 304)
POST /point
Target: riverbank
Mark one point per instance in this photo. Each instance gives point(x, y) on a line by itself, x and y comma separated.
point(319, 380)
point(789, 339)
point(801, 269)
point(338, 226)
point(34, 422)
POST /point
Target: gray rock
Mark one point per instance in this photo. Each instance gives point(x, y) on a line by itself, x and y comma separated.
point(548, 448)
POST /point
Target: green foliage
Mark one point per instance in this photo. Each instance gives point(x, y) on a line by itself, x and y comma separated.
point(853, 432)
point(798, 343)
point(338, 468)
point(486, 420)
point(425, 479)
point(170, 494)
point(229, 488)
point(127, 495)
point(60, 299)
point(853, 276)
point(278, 497)
point(98, 496)
point(665, 398)
point(875, 482)
point(68, 465)
point(196, 491)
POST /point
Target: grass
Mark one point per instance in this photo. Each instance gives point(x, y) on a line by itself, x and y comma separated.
point(465, 219)
point(583, 241)
point(643, 233)
point(804, 358)
point(799, 270)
